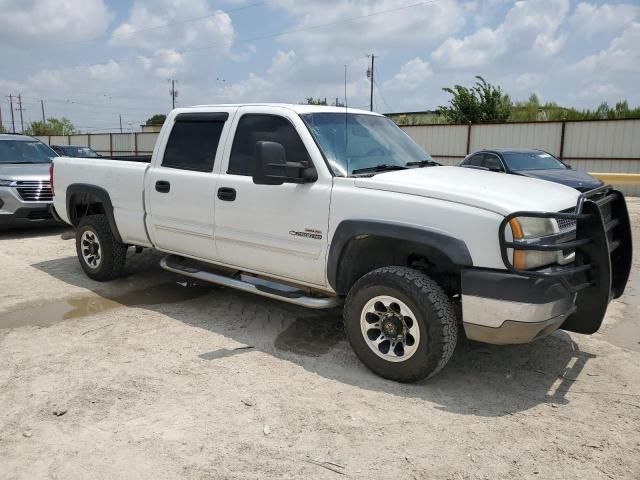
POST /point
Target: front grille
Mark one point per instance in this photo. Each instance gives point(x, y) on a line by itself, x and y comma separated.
point(34, 190)
point(566, 224)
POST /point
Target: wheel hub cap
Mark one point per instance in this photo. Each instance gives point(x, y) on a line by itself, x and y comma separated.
point(393, 327)
point(90, 249)
point(390, 328)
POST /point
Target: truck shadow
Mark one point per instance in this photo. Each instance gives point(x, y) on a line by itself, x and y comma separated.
point(480, 379)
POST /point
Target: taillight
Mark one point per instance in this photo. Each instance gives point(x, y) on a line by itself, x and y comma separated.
point(51, 178)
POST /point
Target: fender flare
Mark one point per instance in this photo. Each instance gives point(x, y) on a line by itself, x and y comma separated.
point(102, 195)
point(453, 248)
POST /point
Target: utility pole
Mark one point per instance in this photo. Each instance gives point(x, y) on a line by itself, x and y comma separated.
point(370, 76)
point(21, 120)
point(174, 93)
point(120, 123)
point(42, 106)
point(13, 122)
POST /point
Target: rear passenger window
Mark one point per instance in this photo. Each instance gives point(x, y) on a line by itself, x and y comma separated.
point(254, 128)
point(475, 160)
point(193, 143)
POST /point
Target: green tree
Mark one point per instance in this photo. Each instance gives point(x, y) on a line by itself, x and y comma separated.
point(157, 119)
point(323, 101)
point(482, 103)
point(2, 129)
point(53, 126)
point(316, 101)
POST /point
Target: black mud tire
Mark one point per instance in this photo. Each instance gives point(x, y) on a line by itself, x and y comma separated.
point(113, 254)
point(432, 308)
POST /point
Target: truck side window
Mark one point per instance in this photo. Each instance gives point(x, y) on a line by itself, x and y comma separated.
point(254, 128)
point(192, 145)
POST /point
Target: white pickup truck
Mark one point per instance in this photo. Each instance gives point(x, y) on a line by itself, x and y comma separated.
point(322, 206)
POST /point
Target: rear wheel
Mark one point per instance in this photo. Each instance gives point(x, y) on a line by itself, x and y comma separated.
point(400, 323)
point(101, 256)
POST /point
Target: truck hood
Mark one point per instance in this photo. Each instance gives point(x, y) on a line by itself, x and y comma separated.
point(24, 171)
point(496, 192)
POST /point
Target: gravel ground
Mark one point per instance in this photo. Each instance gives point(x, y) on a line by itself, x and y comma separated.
point(150, 376)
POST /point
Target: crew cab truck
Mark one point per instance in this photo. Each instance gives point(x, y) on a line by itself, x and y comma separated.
point(322, 206)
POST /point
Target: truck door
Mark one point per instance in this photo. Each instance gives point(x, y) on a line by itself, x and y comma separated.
point(275, 229)
point(180, 185)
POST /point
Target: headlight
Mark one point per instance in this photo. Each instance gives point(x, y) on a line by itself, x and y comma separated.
point(5, 183)
point(532, 228)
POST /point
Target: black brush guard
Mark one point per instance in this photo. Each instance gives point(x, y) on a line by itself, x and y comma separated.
point(603, 250)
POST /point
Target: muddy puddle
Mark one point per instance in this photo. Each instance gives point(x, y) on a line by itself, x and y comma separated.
point(43, 314)
point(311, 336)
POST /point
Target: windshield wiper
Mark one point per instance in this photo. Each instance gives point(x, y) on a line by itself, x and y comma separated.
point(383, 167)
point(424, 163)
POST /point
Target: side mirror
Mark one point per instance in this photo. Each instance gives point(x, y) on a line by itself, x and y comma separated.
point(271, 166)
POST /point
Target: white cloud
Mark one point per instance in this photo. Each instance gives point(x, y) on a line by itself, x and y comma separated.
point(375, 32)
point(411, 75)
point(530, 31)
point(213, 27)
point(38, 22)
point(589, 19)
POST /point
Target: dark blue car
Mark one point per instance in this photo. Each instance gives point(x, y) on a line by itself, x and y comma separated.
point(531, 163)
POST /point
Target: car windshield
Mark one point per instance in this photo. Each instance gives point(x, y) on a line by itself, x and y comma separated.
point(532, 161)
point(25, 151)
point(72, 151)
point(354, 143)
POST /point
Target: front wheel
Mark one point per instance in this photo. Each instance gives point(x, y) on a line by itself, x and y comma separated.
point(101, 256)
point(400, 323)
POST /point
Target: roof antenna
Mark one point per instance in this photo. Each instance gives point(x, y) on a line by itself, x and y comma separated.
point(346, 121)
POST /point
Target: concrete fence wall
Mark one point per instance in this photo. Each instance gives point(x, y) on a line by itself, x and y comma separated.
point(609, 146)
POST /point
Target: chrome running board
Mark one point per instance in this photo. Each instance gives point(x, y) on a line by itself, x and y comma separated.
point(248, 283)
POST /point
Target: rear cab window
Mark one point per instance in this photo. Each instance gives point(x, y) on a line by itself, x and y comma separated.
point(193, 141)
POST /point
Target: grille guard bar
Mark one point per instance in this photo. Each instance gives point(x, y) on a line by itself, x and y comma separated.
point(603, 252)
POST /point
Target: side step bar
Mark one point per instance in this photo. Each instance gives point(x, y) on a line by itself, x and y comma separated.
point(248, 283)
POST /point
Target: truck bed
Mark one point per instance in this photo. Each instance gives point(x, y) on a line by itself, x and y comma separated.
point(122, 179)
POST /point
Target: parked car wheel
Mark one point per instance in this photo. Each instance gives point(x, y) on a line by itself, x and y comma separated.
point(101, 256)
point(400, 323)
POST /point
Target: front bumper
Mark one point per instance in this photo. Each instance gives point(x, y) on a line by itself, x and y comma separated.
point(517, 306)
point(27, 216)
point(503, 308)
point(15, 212)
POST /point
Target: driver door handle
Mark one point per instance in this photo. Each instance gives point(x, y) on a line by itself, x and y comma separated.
point(227, 194)
point(163, 186)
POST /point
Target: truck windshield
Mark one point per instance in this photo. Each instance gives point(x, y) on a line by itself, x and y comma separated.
point(25, 151)
point(532, 161)
point(354, 143)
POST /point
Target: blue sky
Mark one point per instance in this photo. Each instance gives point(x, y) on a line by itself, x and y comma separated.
point(93, 60)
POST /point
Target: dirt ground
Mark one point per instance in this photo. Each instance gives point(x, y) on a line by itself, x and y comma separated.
point(152, 377)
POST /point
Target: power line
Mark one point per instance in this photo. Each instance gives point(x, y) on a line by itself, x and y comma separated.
point(379, 91)
point(75, 102)
point(165, 25)
point(262, 37)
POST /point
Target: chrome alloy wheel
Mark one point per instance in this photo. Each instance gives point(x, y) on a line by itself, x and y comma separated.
point(91, 251)
point(390, 328)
